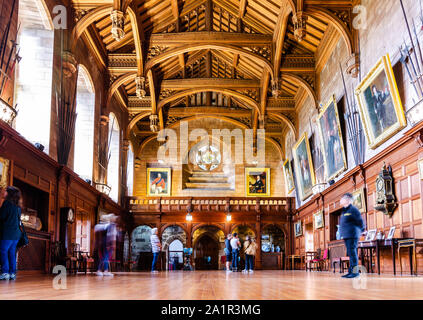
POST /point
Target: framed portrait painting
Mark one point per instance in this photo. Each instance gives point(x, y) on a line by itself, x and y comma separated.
point(289, 177)
point(359, 200)
point(298, 228)
point(318, 219)
point(159, 182)
point(331, 141)
point(380, 104)
point(304, 167)
point(257, 182)
point(4, 172)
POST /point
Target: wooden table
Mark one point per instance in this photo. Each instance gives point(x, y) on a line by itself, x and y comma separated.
point(292, 258)
point(377, 245)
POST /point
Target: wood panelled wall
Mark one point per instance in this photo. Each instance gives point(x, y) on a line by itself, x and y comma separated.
point(402, 156)
point(64, 187)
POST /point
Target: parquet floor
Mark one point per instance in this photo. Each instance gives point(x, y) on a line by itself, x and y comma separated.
point(216, 285)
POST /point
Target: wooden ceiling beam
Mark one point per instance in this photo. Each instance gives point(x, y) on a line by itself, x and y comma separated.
point(205, 37)
point(208, 82)
point(242, 8)
point(228, 112)
point(138, 34)
point(212, 46)
point(279, 36)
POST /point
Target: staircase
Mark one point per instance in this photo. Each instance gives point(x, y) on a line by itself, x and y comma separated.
point(204, 180)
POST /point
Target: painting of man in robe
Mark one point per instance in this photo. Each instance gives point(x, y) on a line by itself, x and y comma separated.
point(380, 104)
point(159, 182)
point(258, 181)
point(304, 167)
point(331, 140)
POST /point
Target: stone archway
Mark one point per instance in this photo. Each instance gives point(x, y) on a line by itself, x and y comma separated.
point(170, 234)
point(208, 244)
point(141, 247)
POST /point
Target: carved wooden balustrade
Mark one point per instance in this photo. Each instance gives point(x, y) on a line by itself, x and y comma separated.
point(139, 205)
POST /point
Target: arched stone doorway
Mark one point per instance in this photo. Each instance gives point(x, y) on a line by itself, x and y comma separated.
point(273, 242)
point(141, 248)
point(208, 244)
point(169, 236)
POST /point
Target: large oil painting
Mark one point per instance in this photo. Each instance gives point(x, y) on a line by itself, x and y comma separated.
point(304, 167)
point(257, 182)
point(289, 178)
point(380, 104)
point(159, 181)
point(331, 140)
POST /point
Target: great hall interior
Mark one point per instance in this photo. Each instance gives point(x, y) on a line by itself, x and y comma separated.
point(111, 106)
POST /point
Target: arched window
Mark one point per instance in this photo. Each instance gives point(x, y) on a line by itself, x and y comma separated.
point(34, 72)
point(130, 171)
point(84, 127)
point(113, 166)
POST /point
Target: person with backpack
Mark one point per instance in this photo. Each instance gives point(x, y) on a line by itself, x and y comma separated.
point(10, 232)
point(250, 248)
point(235, 245)
point(228, 252)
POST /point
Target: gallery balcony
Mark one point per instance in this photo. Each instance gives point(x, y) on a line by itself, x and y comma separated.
point(159, 205)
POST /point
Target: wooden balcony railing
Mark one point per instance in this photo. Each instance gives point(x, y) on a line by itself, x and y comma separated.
point(198, 204)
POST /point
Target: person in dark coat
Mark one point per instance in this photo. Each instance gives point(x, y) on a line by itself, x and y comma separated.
point(10, 233)
point(351, 228)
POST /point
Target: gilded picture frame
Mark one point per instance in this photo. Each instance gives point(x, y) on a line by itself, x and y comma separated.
point(318, 220)
point(159, 182)
point(304, 167)
point(381, 112)
point(359, 200)
point(298, 229)
point(4, 172)
point(257, 182)
point(331, 141)
point(289, 177)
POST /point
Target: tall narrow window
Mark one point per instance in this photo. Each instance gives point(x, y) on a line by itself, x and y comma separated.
point(130, 171)
point(84, 127)
point(113, 166)
point(34, 72)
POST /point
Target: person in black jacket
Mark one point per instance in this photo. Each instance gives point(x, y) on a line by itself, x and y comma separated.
point(351, 227)
point(10, 233)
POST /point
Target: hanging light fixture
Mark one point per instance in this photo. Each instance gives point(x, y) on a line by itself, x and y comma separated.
point(228, 217)
point(188, 217)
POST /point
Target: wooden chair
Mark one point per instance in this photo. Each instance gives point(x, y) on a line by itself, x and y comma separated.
point(309, 257)
point(72, 263)
point(344, 263)
point(320, 264)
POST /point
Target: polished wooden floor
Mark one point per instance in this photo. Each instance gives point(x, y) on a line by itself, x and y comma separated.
point(213, 285)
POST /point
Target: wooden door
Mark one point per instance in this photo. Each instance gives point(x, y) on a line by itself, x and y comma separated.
point(207, 253)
